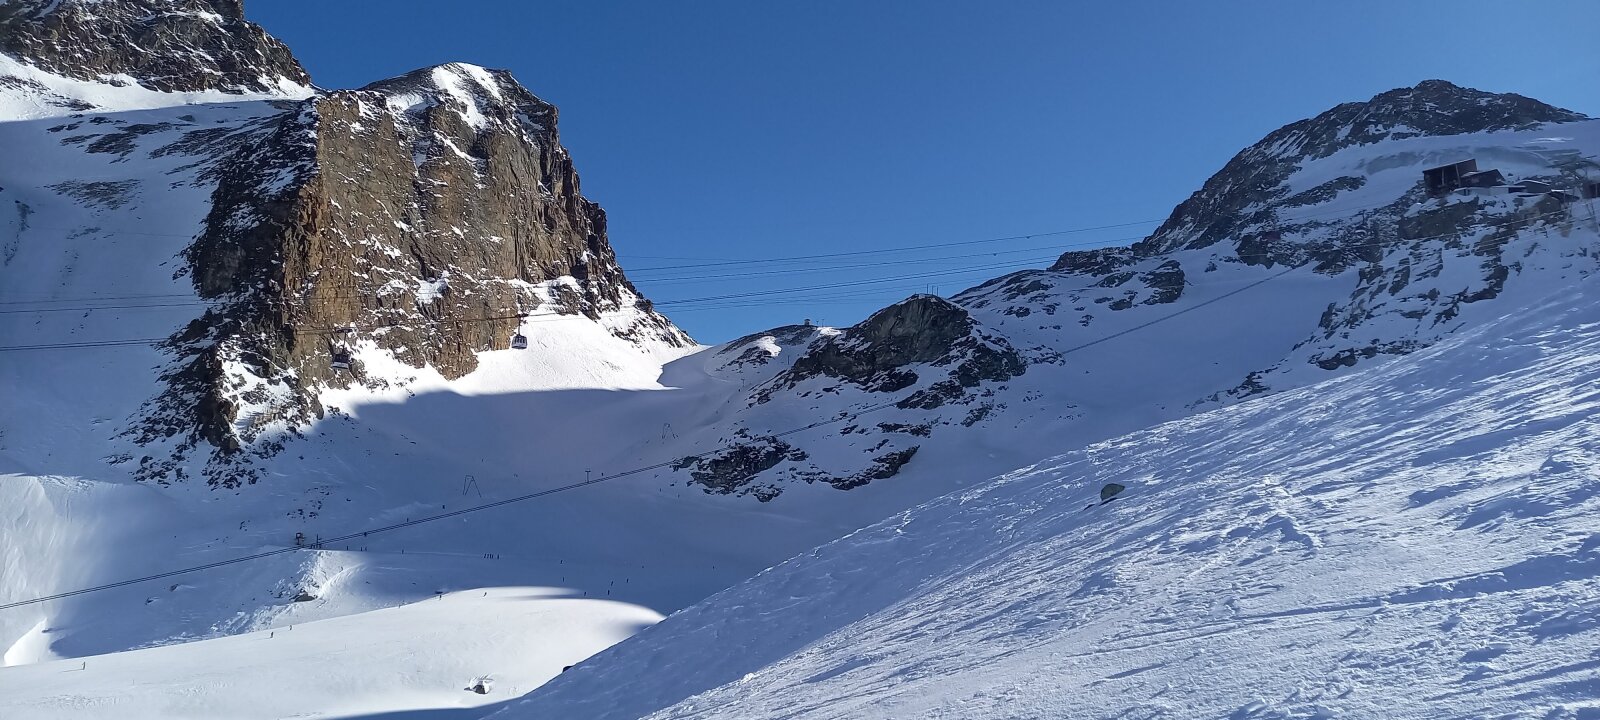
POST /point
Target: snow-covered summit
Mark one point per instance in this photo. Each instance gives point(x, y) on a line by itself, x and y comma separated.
point(1316, 250)
point(471, 90)
point(1268, 187)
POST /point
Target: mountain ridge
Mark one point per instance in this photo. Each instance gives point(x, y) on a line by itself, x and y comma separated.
point(416, 228)
point(163, 45)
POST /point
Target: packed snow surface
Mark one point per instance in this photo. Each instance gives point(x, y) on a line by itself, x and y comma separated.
point(433, 653)
point(1414, 541)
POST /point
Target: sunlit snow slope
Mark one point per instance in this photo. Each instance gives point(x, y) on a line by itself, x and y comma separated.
point(1413, 541)
point(185, 250)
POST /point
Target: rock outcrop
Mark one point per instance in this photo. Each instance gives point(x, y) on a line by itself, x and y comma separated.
point(423, 217)
point(881, 353)
point(1250, 198)
point(165, 45)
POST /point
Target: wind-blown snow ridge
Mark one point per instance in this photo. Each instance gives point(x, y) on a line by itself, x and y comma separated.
point(1414, 541)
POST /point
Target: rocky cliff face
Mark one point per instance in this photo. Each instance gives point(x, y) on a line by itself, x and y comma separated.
point(165, 45)
point(425, 218)
point(421, 217)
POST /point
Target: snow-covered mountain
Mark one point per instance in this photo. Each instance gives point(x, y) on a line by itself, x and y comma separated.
point(1412, 541)
point(1316, 250)
point(194, 242)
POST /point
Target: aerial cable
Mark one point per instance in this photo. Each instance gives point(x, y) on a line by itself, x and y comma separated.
point(748, 298)
point(736, 260)
point(848, 415)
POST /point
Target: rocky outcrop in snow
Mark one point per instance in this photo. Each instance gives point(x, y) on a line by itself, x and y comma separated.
point(425, 218)
point(879, 353)
point(1253, 195)
point(422, 217)
point(163, 45)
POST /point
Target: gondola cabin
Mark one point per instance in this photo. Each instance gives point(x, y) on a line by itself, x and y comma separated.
point(519, 342)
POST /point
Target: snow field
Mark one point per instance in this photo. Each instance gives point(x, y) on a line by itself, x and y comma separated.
point(418, 656)
point(1414, 541)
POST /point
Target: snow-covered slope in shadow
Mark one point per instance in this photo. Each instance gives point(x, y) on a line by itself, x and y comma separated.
point(1413, 541)
point(435, 653)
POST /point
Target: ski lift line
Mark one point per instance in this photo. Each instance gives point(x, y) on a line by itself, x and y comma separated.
point(195, 303)
point(1130, 223)
point(324, 542)
point(199, 303)
point(86, 344)
point(989, 240)
point(1529, 219)
point(708, 302)
point(1023, 263)
point(1055, 249)
point(1027, 262)
point(335, 331)
point(763, 293)
point(573, 486)
point(749, 260)
point(907, 248)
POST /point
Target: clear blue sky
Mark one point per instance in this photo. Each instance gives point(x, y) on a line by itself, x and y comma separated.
point(729, 130)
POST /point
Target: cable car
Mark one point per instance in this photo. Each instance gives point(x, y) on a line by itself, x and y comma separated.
point(341, 360)
point(519, 342)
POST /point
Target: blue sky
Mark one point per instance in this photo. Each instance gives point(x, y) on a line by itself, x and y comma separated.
point(717, 131)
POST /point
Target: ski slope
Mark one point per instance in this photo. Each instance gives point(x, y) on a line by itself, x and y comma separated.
point(1413, 541)
point(427, 654)
point(109, 185)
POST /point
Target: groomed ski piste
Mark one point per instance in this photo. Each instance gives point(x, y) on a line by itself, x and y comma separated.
point(1413, 541)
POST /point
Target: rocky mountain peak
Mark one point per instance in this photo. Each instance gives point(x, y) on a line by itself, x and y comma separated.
point(164, 45)
point(470, 87)
point(1251, 202)
point(1431, 107)
point(421, 219)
